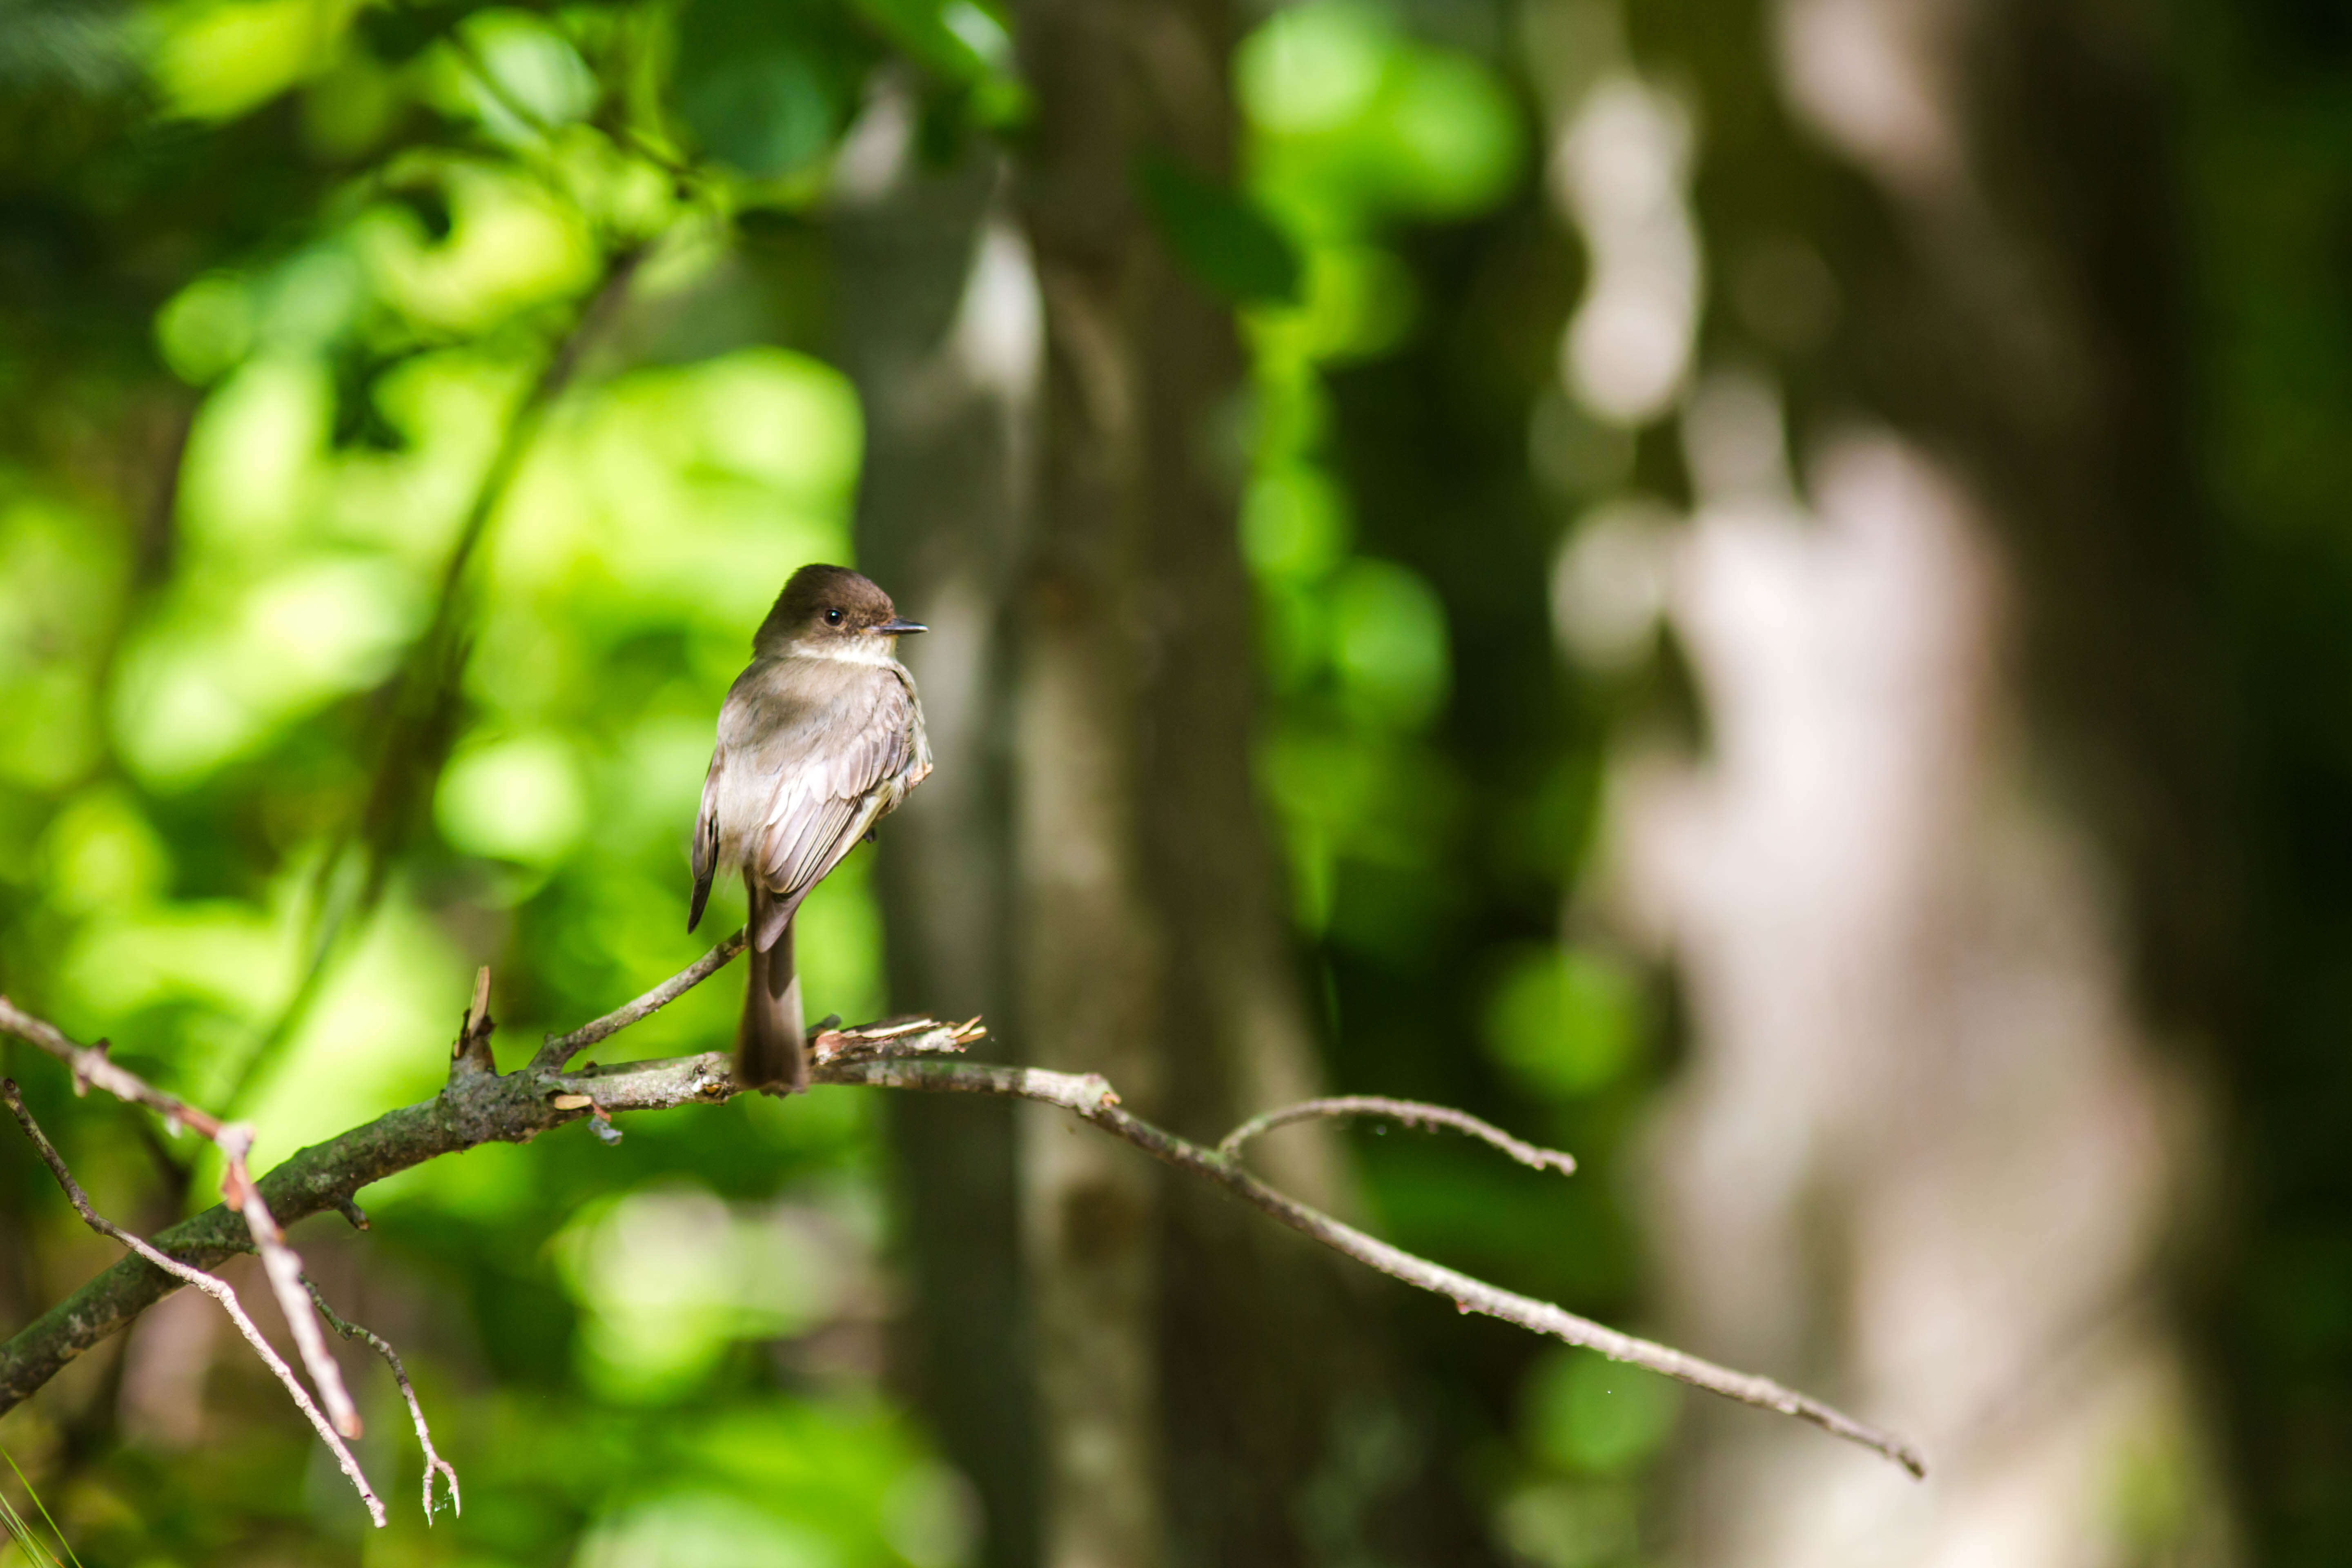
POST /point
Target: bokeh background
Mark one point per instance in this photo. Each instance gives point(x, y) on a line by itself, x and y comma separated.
point(1758, 589)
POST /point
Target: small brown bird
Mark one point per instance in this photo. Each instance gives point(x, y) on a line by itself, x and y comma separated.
point(819, 739)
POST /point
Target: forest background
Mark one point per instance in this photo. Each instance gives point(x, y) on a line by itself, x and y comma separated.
point(1757, 589)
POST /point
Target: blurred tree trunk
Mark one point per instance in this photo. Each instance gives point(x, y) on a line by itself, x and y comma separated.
point(938, 323)
point(1926, 1156)
point(1194, 1365)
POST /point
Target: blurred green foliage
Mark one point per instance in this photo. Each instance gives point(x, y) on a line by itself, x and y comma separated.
point(1428, 757)
point(1565, 1023)
point(299, 298)
point(2265, 158)
point(366, 588)
point(1593, 1424)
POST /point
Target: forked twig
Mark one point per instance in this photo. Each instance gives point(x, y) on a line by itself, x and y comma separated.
point(433, 1461)
point(211, 1285)
point(91, 1064)
point(1091, 1096)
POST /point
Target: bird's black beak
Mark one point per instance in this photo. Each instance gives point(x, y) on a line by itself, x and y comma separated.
point(896, 628)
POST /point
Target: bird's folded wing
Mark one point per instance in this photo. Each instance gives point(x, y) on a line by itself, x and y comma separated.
point(835, 785)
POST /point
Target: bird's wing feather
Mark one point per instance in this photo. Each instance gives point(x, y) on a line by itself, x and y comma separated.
point(808, 825)
point(706, 837)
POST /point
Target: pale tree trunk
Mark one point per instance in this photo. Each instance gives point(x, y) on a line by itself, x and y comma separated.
point(1093, 962)
point(940, 330)
point(1921, 1154)
point(1950, 867)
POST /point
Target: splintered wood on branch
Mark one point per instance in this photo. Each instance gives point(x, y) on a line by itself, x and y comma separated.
point(479, 1105)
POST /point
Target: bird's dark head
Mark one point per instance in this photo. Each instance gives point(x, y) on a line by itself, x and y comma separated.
point(830, 608)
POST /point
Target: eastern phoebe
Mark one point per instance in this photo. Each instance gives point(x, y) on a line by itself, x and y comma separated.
point(818, 741)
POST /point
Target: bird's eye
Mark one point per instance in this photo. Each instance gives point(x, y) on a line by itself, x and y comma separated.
point(833, 618)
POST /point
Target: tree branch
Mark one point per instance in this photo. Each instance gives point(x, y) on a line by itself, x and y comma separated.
point(211, 1285)
point(1093, 1099)
point(476, 1109)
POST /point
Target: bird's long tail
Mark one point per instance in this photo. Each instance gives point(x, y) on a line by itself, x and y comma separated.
point(770, 1048)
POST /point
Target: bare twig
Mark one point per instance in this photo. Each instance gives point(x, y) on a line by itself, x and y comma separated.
point(211, 1285)
point(1412, 1113)
point(433, 1462)
point(519, 1106)
point(91, 1064)
point(284, 1272)
point(558, 1052)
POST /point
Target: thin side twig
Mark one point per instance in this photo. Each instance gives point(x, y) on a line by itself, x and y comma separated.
point(211, 1285)
point(433, 1461)
point(284, 1272)
point(558, 1052)
point(1412, 1113)
point(91, 1064)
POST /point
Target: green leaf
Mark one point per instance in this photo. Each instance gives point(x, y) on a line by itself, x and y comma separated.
point(399, 32)
point(1566, 1023)
point(766, 88)
point(1219, 237)
point(1590, 1414)
point(958, 41)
